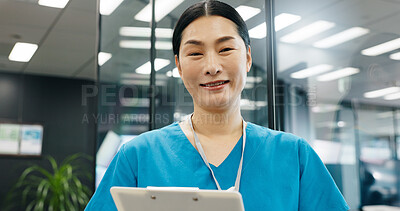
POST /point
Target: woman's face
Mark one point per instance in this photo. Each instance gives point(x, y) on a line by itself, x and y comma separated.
point(213, 62)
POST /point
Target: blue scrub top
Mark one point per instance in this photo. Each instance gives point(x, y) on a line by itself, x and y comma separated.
point(281, 172)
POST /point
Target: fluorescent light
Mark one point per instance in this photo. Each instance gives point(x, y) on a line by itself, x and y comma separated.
point(22, 52)
point(395, 56)
point(103, 58)
point(247, 12)
point(135, 44)
point(341, 124)
point(135, 31)
point(311, 71)
point(338, 74)
point(307, 31)
point(381, 92)
point(162, 9)
point(108, 6)
point(53, 3)
point(258, 32)
point(158, 65)
point(163, 45)
point(135, 82)
point(145, 32)
point(341, 37)
point(325, 108)
point(134, 75)
point(251, 79)
point(281, 21)
point(284, 20)
point(382, 48)
point(394, 96)
point(173, 73)
point(144, 44)
point(249, 85)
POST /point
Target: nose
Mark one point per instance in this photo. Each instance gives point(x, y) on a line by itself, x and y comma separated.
point(212, 65)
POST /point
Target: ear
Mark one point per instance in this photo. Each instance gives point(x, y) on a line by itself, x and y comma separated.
point(249, 59)
point(178, 65)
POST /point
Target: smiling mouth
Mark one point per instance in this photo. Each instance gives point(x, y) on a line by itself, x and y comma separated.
point(214, 83)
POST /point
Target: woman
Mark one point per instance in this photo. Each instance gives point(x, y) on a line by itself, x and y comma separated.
point(215, 148)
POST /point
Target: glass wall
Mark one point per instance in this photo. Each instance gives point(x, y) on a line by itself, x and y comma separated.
point(125, 70)
point(338, 66)
point(337, 82)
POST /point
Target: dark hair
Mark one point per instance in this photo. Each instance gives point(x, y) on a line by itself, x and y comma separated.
point(208, 8)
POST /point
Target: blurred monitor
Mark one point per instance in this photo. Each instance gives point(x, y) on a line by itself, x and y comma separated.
point(21, 139)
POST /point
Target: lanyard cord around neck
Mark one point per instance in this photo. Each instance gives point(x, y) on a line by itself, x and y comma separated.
point(202, 154)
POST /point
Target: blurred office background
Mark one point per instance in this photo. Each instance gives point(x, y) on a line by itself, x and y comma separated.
point(54, 49)
point(335, 81)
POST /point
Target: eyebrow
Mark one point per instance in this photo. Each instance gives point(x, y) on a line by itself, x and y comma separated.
point(218, 41)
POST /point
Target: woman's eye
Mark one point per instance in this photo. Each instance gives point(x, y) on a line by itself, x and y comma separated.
point(194, 54)
point(225, 50)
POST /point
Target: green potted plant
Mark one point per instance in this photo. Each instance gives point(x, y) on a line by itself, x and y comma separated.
point(58, 189)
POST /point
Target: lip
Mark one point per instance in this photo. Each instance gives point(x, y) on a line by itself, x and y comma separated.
point(218, 87)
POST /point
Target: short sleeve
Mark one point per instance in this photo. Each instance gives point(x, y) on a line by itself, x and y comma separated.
point(318, 190)
point(119, 173)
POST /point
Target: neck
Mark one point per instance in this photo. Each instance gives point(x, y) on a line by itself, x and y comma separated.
point(217, 123)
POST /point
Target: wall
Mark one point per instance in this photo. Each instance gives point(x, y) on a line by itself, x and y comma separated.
point(55, 103)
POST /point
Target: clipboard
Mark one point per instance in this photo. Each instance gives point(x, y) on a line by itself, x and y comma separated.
point(175, 199)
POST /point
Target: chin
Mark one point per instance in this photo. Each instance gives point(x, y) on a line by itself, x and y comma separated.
point(217, 104)
point(218, 101)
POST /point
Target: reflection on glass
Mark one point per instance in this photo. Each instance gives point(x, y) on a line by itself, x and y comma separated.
point(338, 81)
point(340, 86)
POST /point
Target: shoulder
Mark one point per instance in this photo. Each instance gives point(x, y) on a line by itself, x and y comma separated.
point(273, 136)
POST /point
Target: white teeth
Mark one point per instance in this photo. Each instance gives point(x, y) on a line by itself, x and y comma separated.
point(215, 84)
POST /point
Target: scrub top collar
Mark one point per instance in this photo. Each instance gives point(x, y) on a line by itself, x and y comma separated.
point(203, 156)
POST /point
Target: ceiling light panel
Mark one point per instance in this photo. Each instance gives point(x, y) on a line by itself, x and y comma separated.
point(382, 48)
point(53, 3)
point(281, 21)
point(158, 65)
point(22, 52)
point(325, 108)
point(173, 73)
point(338, 74)
point(103, 58)
point(395, 56)
point(107, 7)
point(284, 20)
point(307, 32)
point(145, 32)
point(135, 44)
point(162, 8)
point(312, 71)
point(144, 44)
point(341, 37)
point(259, 31)
point(247, 12)
point(381, 92)
point(394, 96)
